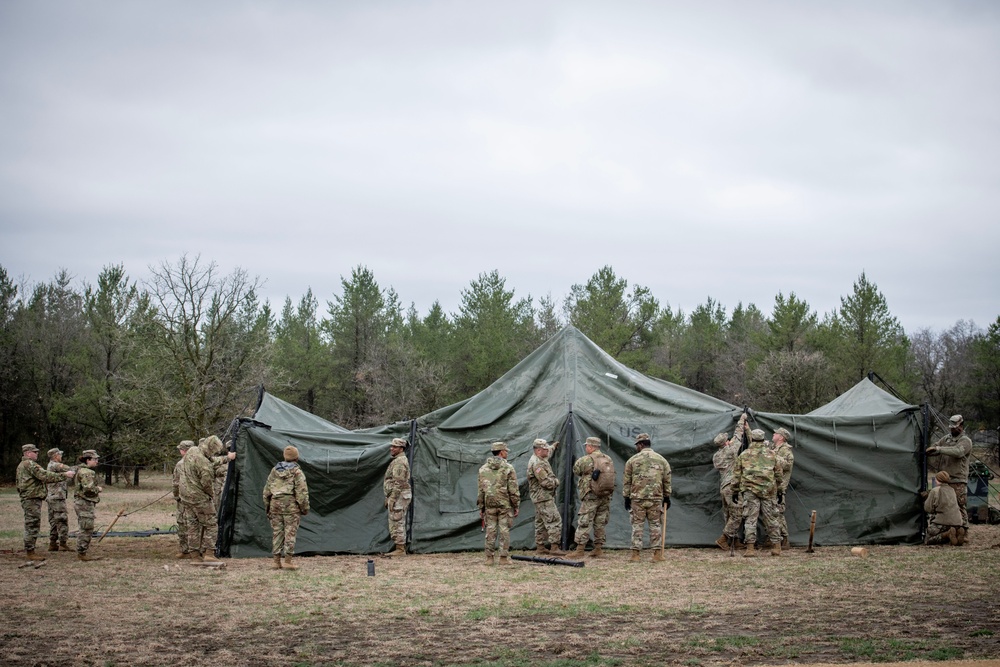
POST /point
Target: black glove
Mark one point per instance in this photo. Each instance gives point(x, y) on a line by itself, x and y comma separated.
point(594, 475)
point(736, 498)
point(628, 504)
point(781, 497)
point(666, 501)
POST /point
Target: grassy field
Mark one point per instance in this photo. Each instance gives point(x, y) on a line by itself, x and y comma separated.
point(138, 605)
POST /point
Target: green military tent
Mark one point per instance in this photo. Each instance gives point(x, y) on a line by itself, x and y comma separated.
point(860, 473)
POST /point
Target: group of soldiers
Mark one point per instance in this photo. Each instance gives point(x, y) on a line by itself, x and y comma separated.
point(197, 487)
point(51, 484)
point(947, 514)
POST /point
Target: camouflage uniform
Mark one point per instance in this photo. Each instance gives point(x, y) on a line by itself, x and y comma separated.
point(646, 484)
point(723, 460)
point(542, 485)
point(55, 498)
point(286, 499)
point(955, 452)
point(755, 478)
point(197, 475)
point(594, 510)
point(182, 526)
point(396, 487)
point(943, 514)
point(786, 459)
point(86, 495)
point(221, 466)
point(498, 500)
point(31, 480)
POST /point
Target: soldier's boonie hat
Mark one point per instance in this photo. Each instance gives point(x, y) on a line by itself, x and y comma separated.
point(956, 420)
point(943, 476)
point(291, 453)
point(540, 443)
point(593, 442)
point(28, 448)
point(90, 454)
point(499, 447)
point(185, 444)
point(399, 442)
point(642, 437)
point(55, 451)
point(783, 432)
point(757, 435)
point(721, 439)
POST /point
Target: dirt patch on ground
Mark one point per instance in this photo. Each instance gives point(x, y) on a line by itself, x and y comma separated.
point(138, 605)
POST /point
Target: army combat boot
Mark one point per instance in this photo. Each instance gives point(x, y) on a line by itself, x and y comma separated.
point(399, 549)
point(289, 564)
point(86, 557)
point(961, 534)
point(658, 556)
point(64, 547)
point(597, 552)
point(504, 560)
point(32, 555)
point(209, 558)
point(542, 550)
point(750, 552)
point(556, 551)
point(276, 565)
point(489, 559)
point(723, 542)
point(776, 549)
point(581, 551)
point(636, 556)
point(53, 546)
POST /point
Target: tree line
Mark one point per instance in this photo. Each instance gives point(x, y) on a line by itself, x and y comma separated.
point(130, 368)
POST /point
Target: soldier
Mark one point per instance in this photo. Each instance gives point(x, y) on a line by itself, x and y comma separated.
point(499, 501)
point(646, 487)
point(197, 476)
point(55, 498)
point(86, 495)
point(595, 475)
point(396, 487)
point(221, 465)
point(782, 446)
point(31, 480)
point(182, 526)
point(723, 460)
point(755, 485)
point(943, 516)
point(955, 451)
point(286, 500)
point(542, 485)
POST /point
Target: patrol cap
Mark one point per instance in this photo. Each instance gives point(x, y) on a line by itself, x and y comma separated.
point(398, 442)
point(499, 447)
point(28, 448)
point(185, 444)
point(593, 442)
point(291, 453)
point(55, 451)
point(89, 454)
point(757, 435)
point(540, 443)
point(642, 437)
point(783, 432)
point(956, 420)
point(943, 476)
point(721, 439)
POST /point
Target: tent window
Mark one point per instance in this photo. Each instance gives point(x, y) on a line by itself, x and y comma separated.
point(458, 483)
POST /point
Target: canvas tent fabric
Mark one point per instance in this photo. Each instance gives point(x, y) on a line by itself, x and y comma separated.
point(862, 400)
point(860, 472)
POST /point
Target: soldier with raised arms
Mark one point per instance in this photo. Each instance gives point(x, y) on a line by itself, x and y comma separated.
point(55, 498)
point(542, 485)
point(755, 486)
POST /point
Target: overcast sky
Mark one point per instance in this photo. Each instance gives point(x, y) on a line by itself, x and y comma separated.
point(723, 149)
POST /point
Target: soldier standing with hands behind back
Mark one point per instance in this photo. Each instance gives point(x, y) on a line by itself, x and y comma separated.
point(499, 501)
point(396, 487)
point(31, 480)
point(286, 501)
point(646, 487)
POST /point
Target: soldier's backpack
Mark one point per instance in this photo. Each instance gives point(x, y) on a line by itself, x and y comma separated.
point(604, 485)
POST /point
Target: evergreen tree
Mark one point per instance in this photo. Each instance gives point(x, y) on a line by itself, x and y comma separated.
point(702, 348)
point(986, 376)
point(302, 356)
point(791, 323)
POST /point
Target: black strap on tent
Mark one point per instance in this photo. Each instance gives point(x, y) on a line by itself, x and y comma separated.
point(567, 508)
point(226, 518)
point(410, 453)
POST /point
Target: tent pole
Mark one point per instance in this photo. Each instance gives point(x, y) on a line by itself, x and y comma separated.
point(409, 455)
point(925, 434)
point(570, 452)
point(226, 519)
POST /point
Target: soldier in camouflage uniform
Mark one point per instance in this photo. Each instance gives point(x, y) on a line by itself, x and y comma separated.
point(286, 500)
point(646, 487)
point(755, 486)
point(55, 498)
point(595, 508)
point(184, 551)
point(943, 516)
point(86, 495)
point(221, 465)
point(723, 460)
point(196, 479)
point(31, 480)
point(782, 446)
point(542, 485)
point(954, 451)
point(398, 494)
point(499, 501)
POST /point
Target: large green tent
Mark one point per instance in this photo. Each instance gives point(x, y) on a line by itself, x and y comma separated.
point(860, 473)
